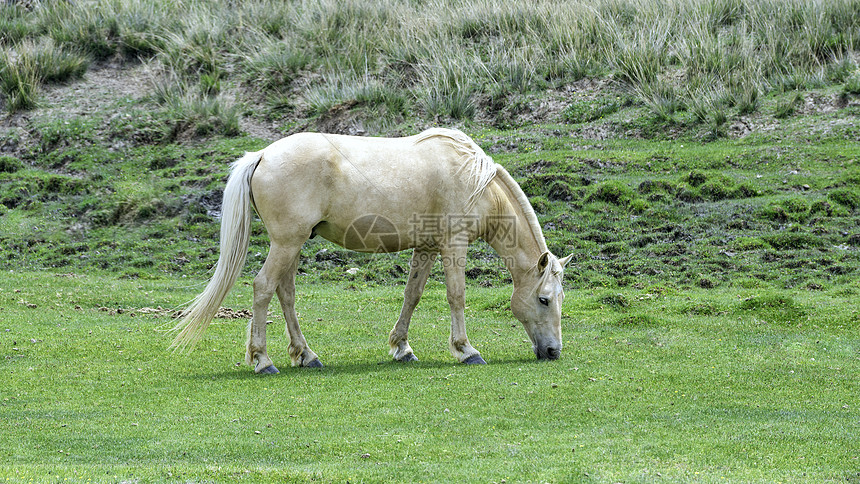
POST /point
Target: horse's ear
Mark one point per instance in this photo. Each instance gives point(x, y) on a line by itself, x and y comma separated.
point(564, 261)
point(543, 262)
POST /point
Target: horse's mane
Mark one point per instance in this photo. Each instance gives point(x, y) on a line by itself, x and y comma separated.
point(524, 204)
point(479, 167)
point(482, 170)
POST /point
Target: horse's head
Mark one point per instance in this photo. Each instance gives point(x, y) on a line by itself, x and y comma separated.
point(536, 302)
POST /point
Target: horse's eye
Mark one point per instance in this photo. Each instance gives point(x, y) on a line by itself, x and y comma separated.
point(544, 301)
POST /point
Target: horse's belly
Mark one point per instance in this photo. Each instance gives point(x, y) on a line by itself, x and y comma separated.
point(367, 233)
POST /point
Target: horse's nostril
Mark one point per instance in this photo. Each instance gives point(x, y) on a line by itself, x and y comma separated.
point(548, 353)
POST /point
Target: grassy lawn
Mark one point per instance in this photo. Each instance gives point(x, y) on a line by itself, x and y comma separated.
point(727, 384)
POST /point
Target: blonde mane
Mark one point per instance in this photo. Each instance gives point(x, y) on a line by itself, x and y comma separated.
point(480, 168)
point(524, 204)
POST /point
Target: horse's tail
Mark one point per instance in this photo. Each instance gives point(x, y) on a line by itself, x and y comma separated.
point(235, 238)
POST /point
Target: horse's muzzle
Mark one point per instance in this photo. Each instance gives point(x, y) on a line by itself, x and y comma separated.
point(547, 353)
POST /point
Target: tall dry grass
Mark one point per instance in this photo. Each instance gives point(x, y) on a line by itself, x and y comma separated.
point(441, 56)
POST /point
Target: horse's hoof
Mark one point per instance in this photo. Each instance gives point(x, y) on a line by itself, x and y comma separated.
point(409, 357)
point(474, 360)
point(314, 364)
point(269, 370)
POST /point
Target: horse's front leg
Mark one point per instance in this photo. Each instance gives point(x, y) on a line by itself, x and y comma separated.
point(419, 271)
point(454, 261)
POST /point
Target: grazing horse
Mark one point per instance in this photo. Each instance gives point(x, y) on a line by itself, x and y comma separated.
point(434, 192)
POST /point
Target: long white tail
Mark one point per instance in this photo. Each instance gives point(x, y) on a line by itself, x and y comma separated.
point(235, 238)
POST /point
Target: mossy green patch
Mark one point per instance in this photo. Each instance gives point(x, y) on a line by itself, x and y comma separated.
point(776, 308)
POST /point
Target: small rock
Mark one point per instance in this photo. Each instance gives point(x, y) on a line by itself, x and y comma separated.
point(352, 271)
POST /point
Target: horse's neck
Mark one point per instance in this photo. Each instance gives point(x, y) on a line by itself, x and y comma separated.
point(518, 238)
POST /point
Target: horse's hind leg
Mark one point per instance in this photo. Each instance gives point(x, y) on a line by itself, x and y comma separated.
point(300, 353)
point(279, 262)
point(422, 262)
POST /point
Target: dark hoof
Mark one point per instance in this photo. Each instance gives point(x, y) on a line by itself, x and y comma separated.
point(474, 360)
point(314, 364)
point(408, 358)
point(269, 370)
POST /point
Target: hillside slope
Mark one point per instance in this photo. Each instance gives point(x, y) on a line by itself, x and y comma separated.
point(100, 177)
point(671, 143)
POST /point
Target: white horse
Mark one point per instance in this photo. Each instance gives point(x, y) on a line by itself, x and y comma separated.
point(434, 193)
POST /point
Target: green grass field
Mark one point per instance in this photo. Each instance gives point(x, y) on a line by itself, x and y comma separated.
point(654, 384)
